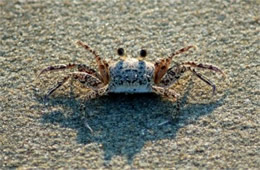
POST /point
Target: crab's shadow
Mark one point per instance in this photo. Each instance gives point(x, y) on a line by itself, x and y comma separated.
point(124, 123)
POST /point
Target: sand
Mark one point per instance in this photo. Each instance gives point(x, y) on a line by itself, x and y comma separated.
point(129, 131)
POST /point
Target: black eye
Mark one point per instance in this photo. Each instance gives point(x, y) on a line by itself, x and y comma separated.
point(143, 53)
point(120, 51)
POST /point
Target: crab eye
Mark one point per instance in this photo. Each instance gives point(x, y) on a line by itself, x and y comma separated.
point(143, 53)
point(120, 51)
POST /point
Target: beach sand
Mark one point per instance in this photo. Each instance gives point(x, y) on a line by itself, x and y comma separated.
point(129, 131)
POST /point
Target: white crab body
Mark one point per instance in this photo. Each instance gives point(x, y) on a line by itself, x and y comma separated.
point(131, 76)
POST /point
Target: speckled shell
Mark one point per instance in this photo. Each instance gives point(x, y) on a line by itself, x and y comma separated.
point(131, 76)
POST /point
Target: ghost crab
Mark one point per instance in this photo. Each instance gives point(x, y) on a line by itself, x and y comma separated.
point(131, 75)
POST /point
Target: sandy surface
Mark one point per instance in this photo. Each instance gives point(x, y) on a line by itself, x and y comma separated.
point(129, 131)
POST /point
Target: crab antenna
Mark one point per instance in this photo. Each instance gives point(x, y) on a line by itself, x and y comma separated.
point(89, 49)
point(181, 51)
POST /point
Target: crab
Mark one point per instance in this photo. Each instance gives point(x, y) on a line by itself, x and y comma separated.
point(131, 75)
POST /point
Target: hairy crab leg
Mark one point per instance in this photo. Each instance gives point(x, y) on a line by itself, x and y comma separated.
point(175, 72)
point(102, 64)
point(96, 93)
point(162, 65)
point(169, 93)
point(165, 92)
point(205, 66)
point(59, 84)
point(87, 79)
point(200, 76)
point(80, 67)
point(181, 51)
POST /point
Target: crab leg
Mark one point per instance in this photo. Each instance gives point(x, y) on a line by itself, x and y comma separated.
point(88, 80)
point(165, 92)
point(169, 93)
point(174, 73)
point(96, 93)
point(200, 76)
point(102, 64)
point(59, 84)
point(162, 65)
point(180, 51)
point(80, 67)
point(205, 66)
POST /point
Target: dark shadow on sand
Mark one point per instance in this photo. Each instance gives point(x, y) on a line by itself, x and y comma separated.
point(124, 123)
